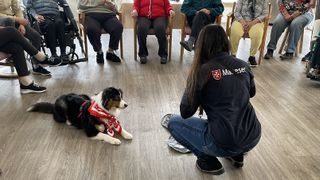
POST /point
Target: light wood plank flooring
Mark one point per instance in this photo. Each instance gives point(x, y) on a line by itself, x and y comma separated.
point(33, 146)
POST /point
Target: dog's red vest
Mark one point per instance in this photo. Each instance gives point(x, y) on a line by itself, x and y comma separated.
point(101, 114)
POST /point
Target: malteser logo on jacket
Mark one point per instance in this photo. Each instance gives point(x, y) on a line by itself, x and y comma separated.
point(216, 74)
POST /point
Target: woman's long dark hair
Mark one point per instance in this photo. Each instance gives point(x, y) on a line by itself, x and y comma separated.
point(211, 41)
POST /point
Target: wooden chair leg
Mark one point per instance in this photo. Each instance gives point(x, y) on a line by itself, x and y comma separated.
point(86, 45)
point(135, 44)
point(301, 41)
point(121, 47)
point(170, 46)
point(181, 48)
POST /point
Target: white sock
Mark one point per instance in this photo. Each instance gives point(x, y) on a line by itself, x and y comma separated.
point(40, 56)
point(25, 80)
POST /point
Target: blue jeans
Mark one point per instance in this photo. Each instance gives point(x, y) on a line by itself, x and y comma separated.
point(193, 134)
point(295, 26)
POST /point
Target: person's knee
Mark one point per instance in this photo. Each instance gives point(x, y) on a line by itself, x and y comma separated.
point(296, 26)
point(174, 121)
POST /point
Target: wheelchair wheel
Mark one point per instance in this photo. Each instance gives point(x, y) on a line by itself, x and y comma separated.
point(73, 58)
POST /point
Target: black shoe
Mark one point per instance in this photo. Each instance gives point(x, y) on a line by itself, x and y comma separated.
point(52, 61)
point(41, 71)
point(252, 61)
point(143, 59)
point(32, 88)
point(286, 56)
point(99, 58)
point(113, 57)
point(237, 161)
point(269, 54)
point(163, 60)
point(185, 44)
point(64, 57)
point(212, 166)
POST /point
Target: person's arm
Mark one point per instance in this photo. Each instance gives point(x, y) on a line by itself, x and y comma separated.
point(31, 9)
point(216, 9)
point(265, 11)
point(237, 11)
point(283, 10)
point(167, 7)
point(136, 6)
point(187, 8)
point(16, 9)
point(186, 109)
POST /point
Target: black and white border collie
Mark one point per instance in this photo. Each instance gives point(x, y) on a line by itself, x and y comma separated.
point(96, 115)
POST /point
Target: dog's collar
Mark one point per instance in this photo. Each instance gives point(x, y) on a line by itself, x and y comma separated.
point(112, 123)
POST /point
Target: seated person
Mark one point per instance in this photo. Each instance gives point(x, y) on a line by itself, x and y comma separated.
point(294, 14)
point(102, 14)
point(12, 9)
point(314, 62)
point(222, 85)
point(155, 16)
point(199, 13)
point(47, 14)
point(12, 42)
point(249, 16)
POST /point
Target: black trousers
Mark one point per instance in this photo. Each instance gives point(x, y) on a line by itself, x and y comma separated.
point(53, 28)
point(110, 23)
point(13, 42)
point(159, 25)
point(34, 38)
point(197, 22)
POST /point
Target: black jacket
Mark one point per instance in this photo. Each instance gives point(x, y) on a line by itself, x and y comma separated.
point(224, 88)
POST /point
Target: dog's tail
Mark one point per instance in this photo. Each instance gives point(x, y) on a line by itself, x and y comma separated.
point(44, 107)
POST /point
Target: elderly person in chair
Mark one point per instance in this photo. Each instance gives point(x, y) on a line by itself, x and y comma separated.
point(12, 9)
point(294, 14)
point(47, 14)
point(249, 16)
point(102, 14)
point(199, 13)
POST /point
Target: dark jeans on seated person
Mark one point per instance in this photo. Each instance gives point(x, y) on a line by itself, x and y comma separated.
point(193, 134)
point(12, 42)
point(94, 22)
point(53, 28)
point(197, 22)
point(159, 25)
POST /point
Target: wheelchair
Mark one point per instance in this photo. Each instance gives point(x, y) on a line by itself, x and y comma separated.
point(71, 33)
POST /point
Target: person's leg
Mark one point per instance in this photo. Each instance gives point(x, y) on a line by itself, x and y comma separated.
point(143, 25)
point(93, 29)
point(193, 134)
point(295, 29)
point(279, 25)
point(235, 35)
point(255, 34)
point(48, 28)
point(199, 21)
point(113, 26)
point(160, 27)
point(60, 30)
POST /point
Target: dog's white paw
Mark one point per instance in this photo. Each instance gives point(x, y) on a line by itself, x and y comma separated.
point(115, 141)
point(127, 136)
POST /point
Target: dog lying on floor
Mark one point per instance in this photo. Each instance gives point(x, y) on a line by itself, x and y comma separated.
point(96, 115)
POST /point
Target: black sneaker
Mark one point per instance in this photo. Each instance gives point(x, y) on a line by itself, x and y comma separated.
point(32, 88)
point(52, 61)
point(212, 166)
point(99, 58)
point(286, 56)
point(41, 71)
point(237, 161)
point(64, 57)
point(252, 61)
point(163, 60)
point(143, 59)
point(112, 57)
point(269, 54)
point(185, 44)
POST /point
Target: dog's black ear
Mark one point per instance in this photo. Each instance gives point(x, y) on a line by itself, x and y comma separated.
point(121, 92)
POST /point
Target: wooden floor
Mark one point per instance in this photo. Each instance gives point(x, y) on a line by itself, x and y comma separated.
point(33, 146)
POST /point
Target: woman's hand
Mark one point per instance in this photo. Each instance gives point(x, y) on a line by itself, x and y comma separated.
point(295, 14)
point(22, 29)
point(134, 13)
point(172, 13)
point(21, 21)
point(39, 18)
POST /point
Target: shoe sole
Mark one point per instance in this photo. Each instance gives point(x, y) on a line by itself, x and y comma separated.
point(50, 65)
point(28, 91)
point(185, 47)
point(235, 163)
point(214, 172)
point(37, 73)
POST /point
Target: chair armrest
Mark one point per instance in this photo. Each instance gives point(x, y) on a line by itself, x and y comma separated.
point(170, 22)
point(81, 17)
